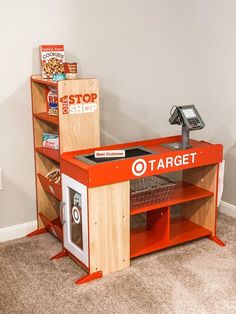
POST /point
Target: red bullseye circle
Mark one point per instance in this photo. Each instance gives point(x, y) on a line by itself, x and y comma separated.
point(139, 167)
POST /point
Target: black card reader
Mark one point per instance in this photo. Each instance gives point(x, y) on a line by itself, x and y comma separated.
point(188, 116)
point(190, 119)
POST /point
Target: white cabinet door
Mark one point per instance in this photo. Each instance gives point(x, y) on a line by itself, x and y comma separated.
point(75, 218)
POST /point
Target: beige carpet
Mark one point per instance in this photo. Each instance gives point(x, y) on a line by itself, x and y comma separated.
point(198, 277)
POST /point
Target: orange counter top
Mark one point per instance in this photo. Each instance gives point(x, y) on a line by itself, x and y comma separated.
point(157, 160)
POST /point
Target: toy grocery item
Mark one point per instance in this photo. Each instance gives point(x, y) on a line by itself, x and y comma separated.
point(50, 140)
point(52, 101)
point(53, 109)
point(71, 70)
point(58, 77)
point(52, 60)
point(54, 175)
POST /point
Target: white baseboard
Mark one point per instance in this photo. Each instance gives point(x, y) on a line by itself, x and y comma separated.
point(227, 209)
point(17, 231)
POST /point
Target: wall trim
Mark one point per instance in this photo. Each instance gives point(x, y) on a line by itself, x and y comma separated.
point(227, 209)
point(17, 231)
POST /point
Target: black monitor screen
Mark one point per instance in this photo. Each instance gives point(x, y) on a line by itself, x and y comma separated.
point(133, 152)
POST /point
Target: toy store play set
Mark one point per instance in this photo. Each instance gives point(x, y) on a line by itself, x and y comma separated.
point(110, 204)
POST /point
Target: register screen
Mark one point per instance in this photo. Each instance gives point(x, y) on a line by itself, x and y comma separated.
point(133, 152)
point(189, 113)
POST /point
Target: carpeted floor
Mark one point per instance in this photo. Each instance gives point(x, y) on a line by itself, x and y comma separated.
point(198, 277)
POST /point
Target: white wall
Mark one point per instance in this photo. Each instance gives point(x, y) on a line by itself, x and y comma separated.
point(147, 55)
point(24, 25)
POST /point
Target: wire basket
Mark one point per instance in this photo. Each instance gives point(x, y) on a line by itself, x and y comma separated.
point(150, 190)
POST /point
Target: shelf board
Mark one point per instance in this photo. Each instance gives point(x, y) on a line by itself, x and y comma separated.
point(39, 79)
point(182, 230)
point(53, 154)
point(183, 192)
point(54, 226)
point(50, 187)
point(44, 116)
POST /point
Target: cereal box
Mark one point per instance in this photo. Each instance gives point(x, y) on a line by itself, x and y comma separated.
point(52, 101)
point(52, 60)
point(71, 70)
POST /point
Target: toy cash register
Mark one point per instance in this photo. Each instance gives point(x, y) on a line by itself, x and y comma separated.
point(97, 229)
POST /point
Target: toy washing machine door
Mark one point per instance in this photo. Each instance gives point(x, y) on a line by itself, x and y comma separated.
point(75, 218)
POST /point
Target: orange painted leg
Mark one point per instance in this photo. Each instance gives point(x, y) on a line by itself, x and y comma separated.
point(36, 232)
point(88, 278)
point(216, 240)
point(60, 255)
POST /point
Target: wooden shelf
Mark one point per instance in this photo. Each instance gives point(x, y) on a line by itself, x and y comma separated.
point(68, 127)
point(183, 192)
point(39, 79)
point(53, 154)
point(44, 116)
point(50, 187)
point(54, 226)
point(182, 230)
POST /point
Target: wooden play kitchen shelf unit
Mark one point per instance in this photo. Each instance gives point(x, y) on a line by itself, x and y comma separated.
point(107, 212)
point(77, 127)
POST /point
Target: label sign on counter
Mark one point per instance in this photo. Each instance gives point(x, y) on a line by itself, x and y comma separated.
point(140, 166)
point(109, 153)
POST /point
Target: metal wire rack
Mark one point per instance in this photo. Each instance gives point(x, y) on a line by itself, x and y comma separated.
point(150, 190)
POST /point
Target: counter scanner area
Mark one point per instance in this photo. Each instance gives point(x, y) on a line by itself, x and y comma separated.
point(153, 158)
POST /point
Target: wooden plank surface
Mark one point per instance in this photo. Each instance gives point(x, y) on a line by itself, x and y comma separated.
point(82, 130)
point(44, 116)
point(39, 103)
point(202, 212)
point(109, 227)
point(53, 154)
point(41, 127)
point(38, 79)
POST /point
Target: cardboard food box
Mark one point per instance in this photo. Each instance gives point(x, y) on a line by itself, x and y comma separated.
point(52, 101)
point(50, 140)
point(52, 60)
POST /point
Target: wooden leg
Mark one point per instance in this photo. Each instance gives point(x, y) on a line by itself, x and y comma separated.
point(63, 253)
point(89, 277)
point(37, 232)
point(216, 240)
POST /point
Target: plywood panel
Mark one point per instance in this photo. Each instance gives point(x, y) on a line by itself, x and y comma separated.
point(38, 98)
point(202, 212)
point(46, 204)
point(39, 128)
point(109, 227)
point(81, 130)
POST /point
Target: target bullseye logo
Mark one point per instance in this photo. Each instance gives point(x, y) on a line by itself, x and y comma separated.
point(76, 215)
point(139, 167)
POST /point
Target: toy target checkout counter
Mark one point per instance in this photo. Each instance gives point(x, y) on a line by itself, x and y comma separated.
point(105, 188)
